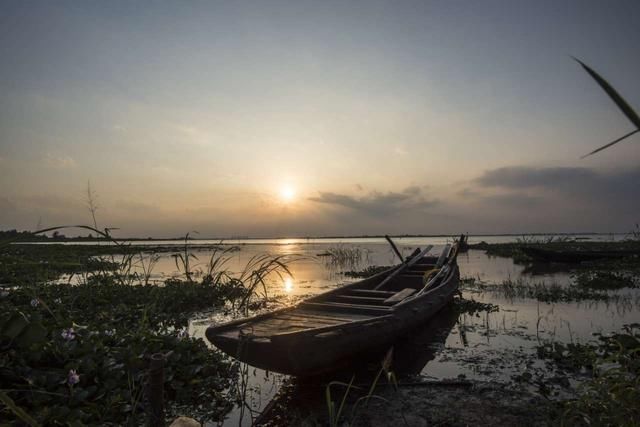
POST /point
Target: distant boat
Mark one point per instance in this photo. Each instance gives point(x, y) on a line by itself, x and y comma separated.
point(321, 333)
point(547, 255)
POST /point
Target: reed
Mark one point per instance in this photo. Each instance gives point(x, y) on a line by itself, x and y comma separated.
point(342, 256)
point(336, 414)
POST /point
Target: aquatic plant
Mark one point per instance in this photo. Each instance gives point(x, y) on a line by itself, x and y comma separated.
point(540, 291)
point(183, 259)
point(604, 280)
point(335, 415)
point(79, 354)
point(634, 234)
point(342, 256)
point(612, 395)
point(86, 346)
point(620, 102)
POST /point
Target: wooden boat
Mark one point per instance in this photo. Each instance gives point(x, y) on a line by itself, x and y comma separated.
point(323, 332)
point(547, 255)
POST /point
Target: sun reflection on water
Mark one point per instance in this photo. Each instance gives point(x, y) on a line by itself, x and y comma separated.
point(288, 285)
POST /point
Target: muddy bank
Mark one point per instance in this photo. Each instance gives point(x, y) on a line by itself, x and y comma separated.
point(447, 403)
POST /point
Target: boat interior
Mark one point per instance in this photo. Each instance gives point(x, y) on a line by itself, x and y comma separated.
point(349, 305)
point(377, 297)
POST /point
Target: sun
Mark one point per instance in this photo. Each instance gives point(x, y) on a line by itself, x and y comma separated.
point(287, 193)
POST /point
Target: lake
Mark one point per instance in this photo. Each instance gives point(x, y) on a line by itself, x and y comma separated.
point(486, 346)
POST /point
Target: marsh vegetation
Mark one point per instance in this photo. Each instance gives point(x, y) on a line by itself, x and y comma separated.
point(80, 322)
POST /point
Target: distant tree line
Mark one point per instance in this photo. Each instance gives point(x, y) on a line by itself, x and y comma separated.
point(28, 236)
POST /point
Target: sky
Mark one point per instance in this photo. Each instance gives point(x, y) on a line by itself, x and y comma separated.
point(308, 118)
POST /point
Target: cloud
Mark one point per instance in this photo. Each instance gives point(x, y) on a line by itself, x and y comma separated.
point(400, 151)
point(377, 203)
point(59, 162)
point(522, 177)
point(561, 195)
point(466, 192)
point(514, 200)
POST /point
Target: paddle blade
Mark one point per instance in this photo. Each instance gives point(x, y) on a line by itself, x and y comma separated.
point(611, 143)
point(614, 95)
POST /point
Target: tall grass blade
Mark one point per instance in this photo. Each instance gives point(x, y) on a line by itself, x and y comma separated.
point(613, 94)
point(618, 100)
point(18, 411)
point(610, 144)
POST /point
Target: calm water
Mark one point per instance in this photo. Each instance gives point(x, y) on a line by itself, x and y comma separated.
point(497, 346)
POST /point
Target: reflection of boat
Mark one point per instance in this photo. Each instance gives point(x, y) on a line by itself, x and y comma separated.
point(322, 332)
point(412, 352)
point(574, 256)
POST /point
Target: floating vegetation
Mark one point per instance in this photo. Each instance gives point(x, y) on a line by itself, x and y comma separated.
point(562, 244)
point(80, 354)
point(520, 289)
point(605, 280)
point(470, 306)
point(343, 256)
point(612, 395)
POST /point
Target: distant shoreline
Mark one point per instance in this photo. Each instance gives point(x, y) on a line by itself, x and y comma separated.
point(64, 239)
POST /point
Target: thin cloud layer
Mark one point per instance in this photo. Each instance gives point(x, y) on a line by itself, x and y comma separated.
point(379, 204)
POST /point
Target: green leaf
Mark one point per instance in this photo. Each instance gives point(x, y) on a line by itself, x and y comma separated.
point(34, 333)
point(18, 412)
point(14, 326)
point(618, 100)
point(614, 95)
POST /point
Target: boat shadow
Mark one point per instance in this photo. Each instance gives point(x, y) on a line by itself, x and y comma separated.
point(411, 353)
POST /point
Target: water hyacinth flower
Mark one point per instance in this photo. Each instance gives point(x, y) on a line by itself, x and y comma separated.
point(182, 334)
point(68, 334)
point(110, 332)
point(35, 302)
point(58, 301)
point(73, 377)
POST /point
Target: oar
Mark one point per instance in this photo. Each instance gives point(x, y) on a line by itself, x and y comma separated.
point(394, 247)
point(404, 267)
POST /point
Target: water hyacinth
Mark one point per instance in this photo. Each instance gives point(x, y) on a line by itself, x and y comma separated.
point(58, 301)
point(35, 302)
point(182, 334)
point(68, 334)
point(110, 332)
point(73, 377)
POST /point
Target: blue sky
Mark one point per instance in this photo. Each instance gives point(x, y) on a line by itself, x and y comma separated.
point(374, 116)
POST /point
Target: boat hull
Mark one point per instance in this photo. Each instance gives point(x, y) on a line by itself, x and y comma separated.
point(313, 354)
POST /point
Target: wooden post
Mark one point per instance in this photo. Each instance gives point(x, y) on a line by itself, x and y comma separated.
point(395, 248)
point(155, 391)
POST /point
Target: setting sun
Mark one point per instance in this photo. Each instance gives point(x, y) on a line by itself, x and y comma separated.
point(287, 193)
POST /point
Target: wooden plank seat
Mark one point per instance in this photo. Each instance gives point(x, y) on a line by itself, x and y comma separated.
point(371, 292)
point(399, 296)
point(358, 299)
point(347, 308)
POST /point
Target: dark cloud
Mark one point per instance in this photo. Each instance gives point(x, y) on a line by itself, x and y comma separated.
point(523, 177)
point(466, 192)
point(414, 190)
point(515, 200)
point(379, 204)
point(564, 198)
